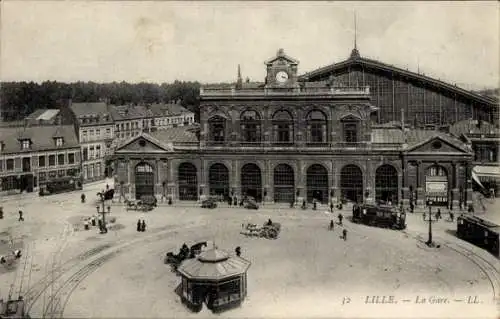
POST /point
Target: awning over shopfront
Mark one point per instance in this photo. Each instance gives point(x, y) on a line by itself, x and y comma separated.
point(485, 174)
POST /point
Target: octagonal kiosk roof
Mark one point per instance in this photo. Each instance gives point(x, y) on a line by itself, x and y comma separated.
point(213, 265)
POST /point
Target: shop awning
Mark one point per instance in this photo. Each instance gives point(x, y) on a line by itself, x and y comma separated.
point(485, 174)
point(487, 171)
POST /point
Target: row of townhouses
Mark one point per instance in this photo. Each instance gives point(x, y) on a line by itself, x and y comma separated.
point(75, 141)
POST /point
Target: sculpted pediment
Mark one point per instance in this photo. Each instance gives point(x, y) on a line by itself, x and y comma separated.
point(437, 145)
point(144, 144)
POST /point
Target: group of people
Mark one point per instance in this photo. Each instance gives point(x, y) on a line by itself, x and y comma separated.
point(93, 221)
point(332, 226)
point(438, 215)
point(141, 226)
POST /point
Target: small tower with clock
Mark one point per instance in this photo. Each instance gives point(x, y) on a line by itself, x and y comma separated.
point(281, 71)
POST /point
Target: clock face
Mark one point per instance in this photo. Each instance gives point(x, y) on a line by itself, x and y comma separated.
point(281, 76)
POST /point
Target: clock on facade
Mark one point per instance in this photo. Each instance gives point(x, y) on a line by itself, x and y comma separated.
point(281, 76)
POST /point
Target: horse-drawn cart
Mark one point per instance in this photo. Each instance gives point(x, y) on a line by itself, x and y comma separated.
point(174, 260)
point(268, 231)
point(140, 205)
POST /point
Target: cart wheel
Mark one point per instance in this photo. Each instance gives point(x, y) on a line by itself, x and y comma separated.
point(273, 234)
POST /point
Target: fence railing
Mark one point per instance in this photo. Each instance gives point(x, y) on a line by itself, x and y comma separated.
point(364, 90)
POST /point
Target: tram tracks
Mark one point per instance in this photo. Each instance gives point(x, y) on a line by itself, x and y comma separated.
point(487, 268)
point(69, 279)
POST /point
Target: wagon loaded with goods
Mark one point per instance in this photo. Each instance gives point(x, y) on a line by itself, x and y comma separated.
point(268, 231)
point(145, 204)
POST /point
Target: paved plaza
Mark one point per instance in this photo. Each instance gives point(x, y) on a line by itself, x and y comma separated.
point(308, 271)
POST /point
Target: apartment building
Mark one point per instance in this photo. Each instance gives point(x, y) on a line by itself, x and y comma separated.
point(31, 156)
point(484, 139)
point(132, 120)
point(95, 129)
point(171, 115)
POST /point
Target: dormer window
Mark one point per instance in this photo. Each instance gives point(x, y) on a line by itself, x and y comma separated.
point(25, 144)
point(59, 141)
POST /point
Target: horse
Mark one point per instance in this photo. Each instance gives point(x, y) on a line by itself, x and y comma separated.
point(9, 259)
point(197, 248)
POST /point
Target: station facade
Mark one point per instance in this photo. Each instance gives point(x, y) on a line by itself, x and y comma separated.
point(285, 140)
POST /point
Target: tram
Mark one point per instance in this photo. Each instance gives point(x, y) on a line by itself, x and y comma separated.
point(13, 308)
point(479, 232)
point(61, 185)
point(380, 216)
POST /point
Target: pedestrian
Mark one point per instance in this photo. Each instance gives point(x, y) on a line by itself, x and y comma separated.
point(331, 224)
point(331, 207)
point(423, 215)
point(315, 204)
point(235, 201)
point(340, 219)
point(21, 218)
point(1, 212)
point(238, 251)
point(83, 198)
point(107, 187)
point(304, 206)
point(344, 234)
point(291, 203)
point(452, 216)
point(438, 213)
point(138, 225)
point(412, 207)
point(92, 221)
point(143, 226)
point(86, 224)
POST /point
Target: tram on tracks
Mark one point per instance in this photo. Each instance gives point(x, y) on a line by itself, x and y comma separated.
point(479, 232)
point(379, 216)
point(61, 185)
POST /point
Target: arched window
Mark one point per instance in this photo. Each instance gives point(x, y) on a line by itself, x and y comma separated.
point(250, 127)
point(316, 127)
point(217, 127)
point(283, 127)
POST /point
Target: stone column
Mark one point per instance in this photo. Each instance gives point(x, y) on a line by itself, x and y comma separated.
point(202, 185)
point(131, 180)
point(268, 181)
point(235, 131)
point(171, 184)
point(266, 128)
point(236, 180)
point(369, 183)
point(157, 170)
point(300, 185)
point(405, 196)
point(420, 182)
point(468, 186)
point(454, 192)
point(335, 180)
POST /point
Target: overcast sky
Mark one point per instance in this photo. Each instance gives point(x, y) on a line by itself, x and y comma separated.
point(205, 41)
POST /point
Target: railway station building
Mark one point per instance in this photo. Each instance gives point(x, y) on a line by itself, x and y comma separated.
point(358, 130)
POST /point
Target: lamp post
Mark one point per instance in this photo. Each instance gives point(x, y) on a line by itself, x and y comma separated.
point(101, 210)
point(430, 220)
